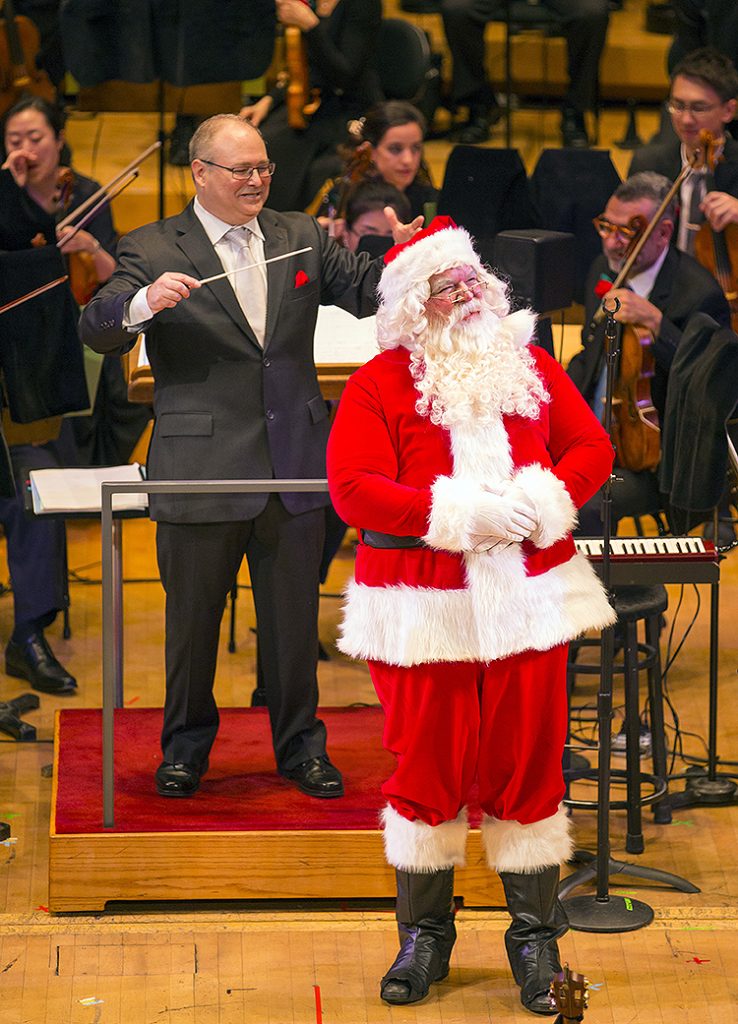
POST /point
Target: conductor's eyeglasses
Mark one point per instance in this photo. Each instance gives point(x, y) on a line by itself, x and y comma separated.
point(606, 229)
point(244, 173)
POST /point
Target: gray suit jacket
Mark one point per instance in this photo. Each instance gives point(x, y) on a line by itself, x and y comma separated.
point(224, 407)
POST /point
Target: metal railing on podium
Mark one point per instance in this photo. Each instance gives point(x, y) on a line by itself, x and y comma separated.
point(112, 592)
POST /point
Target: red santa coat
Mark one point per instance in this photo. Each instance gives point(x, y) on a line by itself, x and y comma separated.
point(393, 471)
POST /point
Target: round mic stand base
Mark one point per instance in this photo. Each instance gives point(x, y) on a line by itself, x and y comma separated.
point(700, 789)
point(611, 914)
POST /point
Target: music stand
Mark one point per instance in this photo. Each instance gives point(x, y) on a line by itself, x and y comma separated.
point(603, 912)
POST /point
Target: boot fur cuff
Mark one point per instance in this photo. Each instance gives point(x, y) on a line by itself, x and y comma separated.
point(418, 847)
point(526, 849)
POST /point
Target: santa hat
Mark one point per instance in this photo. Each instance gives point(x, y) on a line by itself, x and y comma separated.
point(403, 287)
point(434, 249)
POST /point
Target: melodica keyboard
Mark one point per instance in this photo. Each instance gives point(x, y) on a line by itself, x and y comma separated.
point(646, 560)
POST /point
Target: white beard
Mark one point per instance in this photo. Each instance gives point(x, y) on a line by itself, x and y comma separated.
point(472, 369)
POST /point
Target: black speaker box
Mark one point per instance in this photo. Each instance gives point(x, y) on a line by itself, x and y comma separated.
point(540, 266)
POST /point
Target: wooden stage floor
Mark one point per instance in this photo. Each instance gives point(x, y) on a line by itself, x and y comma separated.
point(189, 962)
point(196, 962)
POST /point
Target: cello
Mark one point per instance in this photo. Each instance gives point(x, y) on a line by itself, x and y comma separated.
point(19, 76)
point(717, 251)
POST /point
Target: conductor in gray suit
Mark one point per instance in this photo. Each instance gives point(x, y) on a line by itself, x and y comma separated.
point(236, 396)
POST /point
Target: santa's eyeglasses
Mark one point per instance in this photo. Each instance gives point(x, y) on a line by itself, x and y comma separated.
point(459, 290)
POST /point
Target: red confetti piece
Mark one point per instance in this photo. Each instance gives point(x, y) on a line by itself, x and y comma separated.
point(42, 907)
point(698, 960)
point(132, 701)
point(318, 1005)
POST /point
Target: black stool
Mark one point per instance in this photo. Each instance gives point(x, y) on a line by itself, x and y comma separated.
point(633, 604)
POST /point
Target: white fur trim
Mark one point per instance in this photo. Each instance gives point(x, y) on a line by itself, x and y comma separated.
point(501, 612)
point(521, 325)
point(421, 260)
point(557, 513)
point(452, 504)
point(526, 849)
point(416, 846)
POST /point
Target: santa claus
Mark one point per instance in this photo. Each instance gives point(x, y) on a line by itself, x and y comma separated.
point(462, 453)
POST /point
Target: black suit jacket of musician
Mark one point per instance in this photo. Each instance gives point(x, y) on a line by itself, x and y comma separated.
point(666, 158)
point(224, 407)
point(682, 288)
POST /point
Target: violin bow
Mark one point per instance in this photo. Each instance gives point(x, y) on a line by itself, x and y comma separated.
point(32, 295)
point(112, 193)
point(104, 188)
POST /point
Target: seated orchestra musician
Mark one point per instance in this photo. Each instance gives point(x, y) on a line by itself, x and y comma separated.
point(36, 191)
point(339, 39)
point(703, 99)
point(394, 132)
point(664, 288)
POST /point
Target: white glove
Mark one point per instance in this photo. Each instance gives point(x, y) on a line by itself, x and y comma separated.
point(501, 517)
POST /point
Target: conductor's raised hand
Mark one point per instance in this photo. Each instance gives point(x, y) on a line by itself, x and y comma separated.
point(168, 290)
point(402, 232)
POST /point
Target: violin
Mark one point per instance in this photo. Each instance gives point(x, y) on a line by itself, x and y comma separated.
point(718, 250)
point(83, 279)
point(636, 433)
point(19, 45)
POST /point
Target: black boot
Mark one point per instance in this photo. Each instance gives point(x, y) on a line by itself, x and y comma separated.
point(425, 922)
point(538, 920)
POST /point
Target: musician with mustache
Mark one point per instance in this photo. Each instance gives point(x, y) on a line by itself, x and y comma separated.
point(462, 453)
point(664, 289)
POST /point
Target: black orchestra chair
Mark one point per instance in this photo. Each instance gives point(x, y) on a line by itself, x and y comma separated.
point(487, 191)
point(403, 60)
point(569, 188)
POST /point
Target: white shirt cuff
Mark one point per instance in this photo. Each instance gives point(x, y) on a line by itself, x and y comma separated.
point(139, 312)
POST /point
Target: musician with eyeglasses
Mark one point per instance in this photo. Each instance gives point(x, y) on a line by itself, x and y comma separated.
point(236, 396)
point(703, 98)
point(664, 289)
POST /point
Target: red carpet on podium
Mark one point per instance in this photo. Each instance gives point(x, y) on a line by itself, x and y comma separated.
point(241, 791)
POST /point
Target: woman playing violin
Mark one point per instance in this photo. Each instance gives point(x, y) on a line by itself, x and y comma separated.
point(34, 140)
point(340, 39)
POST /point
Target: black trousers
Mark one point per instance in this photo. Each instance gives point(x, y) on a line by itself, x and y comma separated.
point(198, 564)
point(585, 25)
point(36, 547)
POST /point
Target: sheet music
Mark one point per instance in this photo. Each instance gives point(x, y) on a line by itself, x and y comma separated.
point(341, 338)
point(78, 490)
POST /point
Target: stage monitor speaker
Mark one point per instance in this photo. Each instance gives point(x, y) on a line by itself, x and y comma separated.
point(540, 266)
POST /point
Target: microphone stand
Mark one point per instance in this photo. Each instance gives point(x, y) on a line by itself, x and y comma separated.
point(603, 912)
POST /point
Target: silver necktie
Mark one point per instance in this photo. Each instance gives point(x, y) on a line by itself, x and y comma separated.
point(249, 285)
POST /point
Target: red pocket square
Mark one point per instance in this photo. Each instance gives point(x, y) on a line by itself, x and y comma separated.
point(301, 278)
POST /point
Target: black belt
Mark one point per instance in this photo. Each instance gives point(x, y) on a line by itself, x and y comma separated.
point(390, 540)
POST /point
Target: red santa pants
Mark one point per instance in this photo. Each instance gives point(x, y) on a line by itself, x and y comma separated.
point(451, 724)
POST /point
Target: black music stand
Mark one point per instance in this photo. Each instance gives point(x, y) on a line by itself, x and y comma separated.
point(603, 912)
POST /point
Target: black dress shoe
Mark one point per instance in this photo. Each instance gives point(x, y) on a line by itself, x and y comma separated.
point(175, 778)
point(477, 128)
point(34, 660)
point(573, 130)
point(316, 777)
